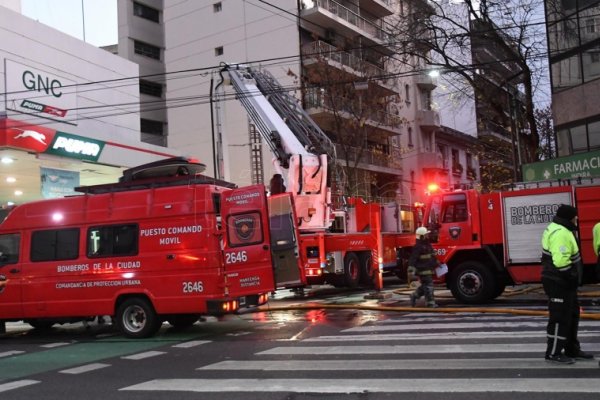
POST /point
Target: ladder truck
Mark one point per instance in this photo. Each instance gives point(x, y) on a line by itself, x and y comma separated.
point(344, 247)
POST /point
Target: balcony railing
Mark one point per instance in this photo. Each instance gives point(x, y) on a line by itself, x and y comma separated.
point(368, 157)
point(325, 50)
point(349, 16)
point(317, 98)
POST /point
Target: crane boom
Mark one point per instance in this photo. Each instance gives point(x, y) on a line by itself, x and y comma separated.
point(301, 149)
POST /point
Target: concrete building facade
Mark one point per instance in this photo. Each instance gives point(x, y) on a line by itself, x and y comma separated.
point(69, 112)
point(573, 29)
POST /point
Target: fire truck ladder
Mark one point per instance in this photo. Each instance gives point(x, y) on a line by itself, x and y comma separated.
point(307, 136)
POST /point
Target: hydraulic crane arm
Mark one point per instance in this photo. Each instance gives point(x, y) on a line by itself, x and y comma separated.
point(301, 148)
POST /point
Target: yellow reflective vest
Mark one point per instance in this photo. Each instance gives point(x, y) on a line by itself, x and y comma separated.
point(560, 243)
point(596, 242)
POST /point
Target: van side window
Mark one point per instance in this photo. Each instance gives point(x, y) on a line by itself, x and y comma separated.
point(112, 240)
point(9, 248)
point(55, 244)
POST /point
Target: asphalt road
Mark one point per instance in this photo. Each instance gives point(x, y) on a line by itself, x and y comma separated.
point(308, 354)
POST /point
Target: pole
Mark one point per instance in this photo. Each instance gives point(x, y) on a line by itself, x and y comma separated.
point(212, 126)
point(83, 18)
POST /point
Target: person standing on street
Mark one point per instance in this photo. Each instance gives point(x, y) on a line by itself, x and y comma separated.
point(561, 275)
point(422, 263)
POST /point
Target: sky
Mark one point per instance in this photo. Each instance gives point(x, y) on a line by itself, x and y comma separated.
point(66, 15)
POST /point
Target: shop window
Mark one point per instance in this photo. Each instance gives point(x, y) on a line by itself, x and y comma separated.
point(55, 245)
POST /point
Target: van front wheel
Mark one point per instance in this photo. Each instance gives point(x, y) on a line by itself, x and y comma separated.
point(136, 318)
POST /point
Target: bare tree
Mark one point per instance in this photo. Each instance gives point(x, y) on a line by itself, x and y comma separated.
point(545, 128)
point(510, 38)
point(357, 115)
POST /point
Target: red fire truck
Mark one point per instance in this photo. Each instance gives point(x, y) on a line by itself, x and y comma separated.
point(493, 240)
point(163, 244)
point(353, 243)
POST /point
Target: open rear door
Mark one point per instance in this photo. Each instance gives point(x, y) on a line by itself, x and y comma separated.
point(284, 242)
point(260, 250)
point(247, 242)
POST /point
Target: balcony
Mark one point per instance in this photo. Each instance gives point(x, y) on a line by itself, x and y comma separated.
point(424, 81)
point(347, 62)
point(330, 14)
point(430, 160)
point(315, 101)
point(379, 8)
point(368, 158)
point(428, 119)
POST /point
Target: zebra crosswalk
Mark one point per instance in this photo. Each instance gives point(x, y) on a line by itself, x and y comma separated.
point(408, 354)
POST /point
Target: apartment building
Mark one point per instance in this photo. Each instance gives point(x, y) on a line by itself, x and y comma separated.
point(339, 58)
point(573, 29)
point(141, 40)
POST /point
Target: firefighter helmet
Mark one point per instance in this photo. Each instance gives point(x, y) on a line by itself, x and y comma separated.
point(421, 231)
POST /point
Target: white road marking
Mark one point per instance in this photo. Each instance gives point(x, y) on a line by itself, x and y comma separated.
point(466, 325)
point(53, 345)
point(16, 384)
point(193, 343)
point(141, 356)
point(420, 364)
point(571, 385)
point(441, 336)
point(84, 368)
point(422, 349)
point(11, 353)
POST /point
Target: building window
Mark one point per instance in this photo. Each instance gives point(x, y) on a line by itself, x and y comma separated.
point(143, 11)
point(150, 88)
point(219, 51)
point(55, 244)
point(146, 49)
point(407, 93)
point(151, 127)
point(218, 7)
point(410, 138)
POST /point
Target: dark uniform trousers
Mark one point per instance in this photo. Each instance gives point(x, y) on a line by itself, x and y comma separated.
point(563, 322)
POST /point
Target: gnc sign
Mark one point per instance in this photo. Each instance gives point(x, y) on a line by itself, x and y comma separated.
point(34, 91)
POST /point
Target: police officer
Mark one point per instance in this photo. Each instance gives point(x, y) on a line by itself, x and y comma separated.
point(561, 275)
point(422, 263)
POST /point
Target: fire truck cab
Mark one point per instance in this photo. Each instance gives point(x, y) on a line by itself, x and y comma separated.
point(493, 240)
point(164, 244)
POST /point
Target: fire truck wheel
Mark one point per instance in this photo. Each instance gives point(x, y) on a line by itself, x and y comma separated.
point(181, 321)
point(367, 273)
point(472, 283)
point(352, 268)
point(136, 318)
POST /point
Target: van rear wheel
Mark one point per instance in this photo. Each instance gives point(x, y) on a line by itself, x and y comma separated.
point(136, 318)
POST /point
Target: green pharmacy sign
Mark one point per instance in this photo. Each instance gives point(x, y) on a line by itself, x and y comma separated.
point(575, 166)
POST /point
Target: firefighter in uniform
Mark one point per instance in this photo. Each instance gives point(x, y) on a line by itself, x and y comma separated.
point(561, 275)
point(422, 263)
